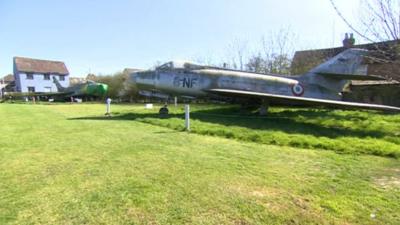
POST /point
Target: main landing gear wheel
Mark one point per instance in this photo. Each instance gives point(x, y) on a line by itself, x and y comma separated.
point(263, 108)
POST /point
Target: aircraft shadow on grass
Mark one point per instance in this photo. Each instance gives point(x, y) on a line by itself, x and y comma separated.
point(284, 121)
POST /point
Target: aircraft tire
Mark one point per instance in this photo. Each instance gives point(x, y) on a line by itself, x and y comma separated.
point(163, 112)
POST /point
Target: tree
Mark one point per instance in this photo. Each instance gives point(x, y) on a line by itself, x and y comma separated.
point(379, 20)
point(379, 24)
point(115, 84)
point(257, 64)
point(237, 54)
point(129, 91)
point(275, 55)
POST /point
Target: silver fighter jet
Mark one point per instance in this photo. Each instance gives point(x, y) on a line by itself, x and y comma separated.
point(321, 86)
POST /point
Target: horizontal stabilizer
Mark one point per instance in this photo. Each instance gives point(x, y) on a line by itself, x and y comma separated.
point(273, 98)
point(351, 76)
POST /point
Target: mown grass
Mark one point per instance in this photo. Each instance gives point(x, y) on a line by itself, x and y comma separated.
point(68, 164)
point(350, 132)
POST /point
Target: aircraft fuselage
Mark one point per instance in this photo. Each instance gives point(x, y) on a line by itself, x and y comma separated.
point(195, 83)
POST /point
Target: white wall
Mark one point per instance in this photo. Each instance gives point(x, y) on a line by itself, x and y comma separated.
point(40, 84)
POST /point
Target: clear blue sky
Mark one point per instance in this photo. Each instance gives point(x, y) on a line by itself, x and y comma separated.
point(107, 36)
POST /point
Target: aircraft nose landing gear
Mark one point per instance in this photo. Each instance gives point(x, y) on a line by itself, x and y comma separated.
point(163, 112)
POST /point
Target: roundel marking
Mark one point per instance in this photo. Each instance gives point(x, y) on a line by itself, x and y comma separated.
point(298, 89)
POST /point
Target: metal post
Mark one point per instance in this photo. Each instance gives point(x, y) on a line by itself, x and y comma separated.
point(108, 107)
point(187, 117)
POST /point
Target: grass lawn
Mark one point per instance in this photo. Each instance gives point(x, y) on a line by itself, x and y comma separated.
point(67, 164)
point(347, 132)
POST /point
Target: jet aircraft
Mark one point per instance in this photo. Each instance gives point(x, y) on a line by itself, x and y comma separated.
point(321, 86)
point(90, 88)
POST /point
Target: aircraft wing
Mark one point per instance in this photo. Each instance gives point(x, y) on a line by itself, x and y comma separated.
point(304, 101)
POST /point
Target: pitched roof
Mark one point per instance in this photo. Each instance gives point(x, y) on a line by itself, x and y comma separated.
point(8, 78)
point(77, 80)
point(303, 61)
point(40, 66)
point(130, 70)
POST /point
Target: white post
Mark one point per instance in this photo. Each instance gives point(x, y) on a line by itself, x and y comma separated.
point(176, 101)
point(108, 106)
point(187, 117)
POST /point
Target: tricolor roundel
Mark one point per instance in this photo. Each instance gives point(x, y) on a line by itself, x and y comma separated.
point(298, 89)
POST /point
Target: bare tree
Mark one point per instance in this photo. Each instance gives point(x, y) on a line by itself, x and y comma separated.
point(379, 23)
point(257, 64)
point(379, 20)
point(237, 54)
point(275, 56)
point(204, 60)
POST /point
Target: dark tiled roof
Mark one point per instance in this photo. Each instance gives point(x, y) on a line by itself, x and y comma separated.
point(40, 66)
point(9, 78)
point(304, 61)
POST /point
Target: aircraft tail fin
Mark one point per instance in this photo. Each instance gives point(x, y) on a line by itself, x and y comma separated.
point(347, 65)
point(58, 85)
point(336, 73)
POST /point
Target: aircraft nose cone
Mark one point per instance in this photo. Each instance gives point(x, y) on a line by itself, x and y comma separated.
point(143, 80)
point(102, 89)
point(133, 79)
point(131, 83)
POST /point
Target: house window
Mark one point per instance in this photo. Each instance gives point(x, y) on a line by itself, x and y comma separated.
point(62, 78)
point(29, 76)
point(46, 76)
point(31, 89)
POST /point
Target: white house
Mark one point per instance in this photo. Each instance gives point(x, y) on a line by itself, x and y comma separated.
point(35, 75)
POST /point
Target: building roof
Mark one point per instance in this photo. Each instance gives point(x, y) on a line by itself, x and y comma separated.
point(29, 65)
point(304, 61)
point(130, 70)
point(8, 78)
point(77, 80)
point(7, 82)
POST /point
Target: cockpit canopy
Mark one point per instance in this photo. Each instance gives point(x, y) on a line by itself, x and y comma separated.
point(90, 82)
point(172, 65)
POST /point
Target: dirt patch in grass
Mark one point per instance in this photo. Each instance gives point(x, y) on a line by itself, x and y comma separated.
point(389, 180)
point(140, 216)
point(280, 202)
point(270, 197)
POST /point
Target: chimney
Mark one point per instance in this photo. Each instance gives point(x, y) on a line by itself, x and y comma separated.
point(352, 40)
point(346, 41)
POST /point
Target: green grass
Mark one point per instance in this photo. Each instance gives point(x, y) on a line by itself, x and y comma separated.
point(67, 164)
point(349, 132)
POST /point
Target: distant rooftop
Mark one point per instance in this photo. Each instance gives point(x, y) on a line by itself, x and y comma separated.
point(8, 78)
point(77, 80)
point(29, 65)
point(130, 70)
point(381, 54)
